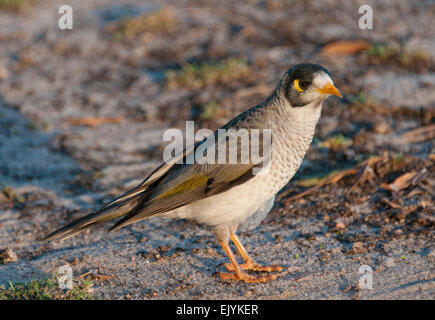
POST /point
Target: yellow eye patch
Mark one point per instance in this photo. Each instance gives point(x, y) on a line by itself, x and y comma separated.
point(296, 85)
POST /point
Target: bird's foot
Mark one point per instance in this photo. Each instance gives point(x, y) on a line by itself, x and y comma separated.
point(245, 277)
point(253, 266)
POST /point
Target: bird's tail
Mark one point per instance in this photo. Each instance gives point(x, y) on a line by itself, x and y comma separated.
point(105, 214)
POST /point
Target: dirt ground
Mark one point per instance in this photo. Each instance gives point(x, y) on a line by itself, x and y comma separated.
point(83, 111)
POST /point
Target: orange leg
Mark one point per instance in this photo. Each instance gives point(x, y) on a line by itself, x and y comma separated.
point(249, 263)
point(239, 274)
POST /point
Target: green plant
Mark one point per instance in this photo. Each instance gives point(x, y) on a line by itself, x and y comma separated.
point(13, 5)
point(161, 22)
point(210, 110)
point(47, 289)
point(335, 142)
point(197, 76)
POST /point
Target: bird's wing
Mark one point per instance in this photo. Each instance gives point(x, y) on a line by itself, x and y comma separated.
point(182, 184)
point(187, 184)
point(152, 178)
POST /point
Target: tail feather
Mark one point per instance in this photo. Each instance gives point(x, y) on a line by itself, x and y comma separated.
point(103, 215)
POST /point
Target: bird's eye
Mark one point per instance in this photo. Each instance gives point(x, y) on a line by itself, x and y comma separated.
point(300, 85)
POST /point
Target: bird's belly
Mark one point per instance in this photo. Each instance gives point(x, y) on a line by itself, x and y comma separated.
point(242, 201)
point(228, 206)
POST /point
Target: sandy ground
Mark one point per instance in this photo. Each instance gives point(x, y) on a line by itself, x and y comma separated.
point(56, 170)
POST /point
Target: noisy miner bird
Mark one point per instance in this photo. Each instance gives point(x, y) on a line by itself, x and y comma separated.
point(226, 195)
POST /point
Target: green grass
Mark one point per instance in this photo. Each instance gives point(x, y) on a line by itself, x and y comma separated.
point(47, 289)
point(11, 195)
point(394, 53)
point(397, 159)
point(202, 75)
point(315, 180)
point(13, 5)
point(161, 22)
point(359, 99)
point(210, 111)
point(335, 142)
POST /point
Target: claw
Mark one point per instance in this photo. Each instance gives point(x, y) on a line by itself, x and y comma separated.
point(237, 272)
point(245, 277)
point(253, 266)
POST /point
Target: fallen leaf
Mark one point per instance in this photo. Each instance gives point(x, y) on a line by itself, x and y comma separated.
point(424, 204)
point(340, 225)
point(348, 288)
point(390, 203)
point(313, 181)
point(101, 277)
point(96, 276)
point(331, 178)
point(304, 277)
point(293, 269)
point(94, 121)
point(345, 47)
point(84, 274)
point(401, 183)
point(358, 247)
point(418, 135)
point(405, 211)
point(360, 177)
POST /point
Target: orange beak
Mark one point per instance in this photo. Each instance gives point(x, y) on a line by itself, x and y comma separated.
point(330, 89)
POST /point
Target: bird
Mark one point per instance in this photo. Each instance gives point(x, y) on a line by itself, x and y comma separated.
point(224, 196)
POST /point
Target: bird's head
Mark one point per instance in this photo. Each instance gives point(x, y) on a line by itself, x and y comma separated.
point(306, 83)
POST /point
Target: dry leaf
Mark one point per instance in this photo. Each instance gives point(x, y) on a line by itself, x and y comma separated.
point(94, 121)
point(345, 47)
point(96, 276)
point(292, 269)
point(102, 277)
point(304, 277)
point(401, 183)
point(424, 204)
point(418, 135)
point(331, 178)
point(340, 225)
point(358, 247)
point(390, 203)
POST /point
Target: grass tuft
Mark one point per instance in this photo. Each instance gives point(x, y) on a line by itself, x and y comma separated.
point(211, 110)
point(335, 142)
point(13, 5)
point(396, 54)
point(47, 289)
point(10, 194)
point(162, 22)
point(198, 76)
